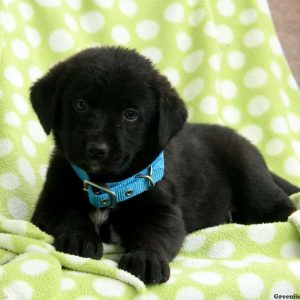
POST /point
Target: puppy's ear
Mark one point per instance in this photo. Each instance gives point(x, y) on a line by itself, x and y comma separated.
point(172, 111)
point(43, 97)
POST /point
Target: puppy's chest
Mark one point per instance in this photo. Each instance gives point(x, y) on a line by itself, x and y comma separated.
point(103, 226)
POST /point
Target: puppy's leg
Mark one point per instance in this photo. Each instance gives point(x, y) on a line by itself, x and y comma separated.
point(76, 235)
point(63, 211)
point(257, 197)
point(265, 203)
point(73, 232)
point(152, 240)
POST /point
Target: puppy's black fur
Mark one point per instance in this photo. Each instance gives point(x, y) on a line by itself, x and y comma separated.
point(213, 176)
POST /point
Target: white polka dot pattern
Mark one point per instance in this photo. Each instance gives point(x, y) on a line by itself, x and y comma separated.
point(226, 62)
point(34, 267)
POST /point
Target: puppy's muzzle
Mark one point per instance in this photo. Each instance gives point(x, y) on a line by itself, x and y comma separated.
point(97, 150)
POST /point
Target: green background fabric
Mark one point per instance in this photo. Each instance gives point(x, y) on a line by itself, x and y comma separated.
point(223, 57)
point(225, 262)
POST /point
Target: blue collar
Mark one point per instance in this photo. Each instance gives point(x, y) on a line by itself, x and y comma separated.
point(116, 192)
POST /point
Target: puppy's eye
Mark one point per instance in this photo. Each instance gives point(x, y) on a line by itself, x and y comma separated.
point(130, 115)
point(80, 105)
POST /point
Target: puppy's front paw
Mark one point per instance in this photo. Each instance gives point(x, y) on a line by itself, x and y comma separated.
point(79, 243)
point(146, 265)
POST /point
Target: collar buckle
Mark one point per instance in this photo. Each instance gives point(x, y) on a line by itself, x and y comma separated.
point(110, 202)
point(148, 177)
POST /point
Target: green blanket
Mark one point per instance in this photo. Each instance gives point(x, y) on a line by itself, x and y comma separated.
point(224, 58)
point(224, 262)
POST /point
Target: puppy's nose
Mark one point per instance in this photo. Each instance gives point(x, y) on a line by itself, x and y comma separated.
point(97, 150)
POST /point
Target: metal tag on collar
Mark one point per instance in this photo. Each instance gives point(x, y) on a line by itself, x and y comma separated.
point(111, 202)
point(149, 177)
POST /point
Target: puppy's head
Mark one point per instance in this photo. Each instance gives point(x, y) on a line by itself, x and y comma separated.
point(108, 108)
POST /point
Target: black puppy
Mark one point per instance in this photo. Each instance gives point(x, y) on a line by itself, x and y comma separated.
point(112, 114)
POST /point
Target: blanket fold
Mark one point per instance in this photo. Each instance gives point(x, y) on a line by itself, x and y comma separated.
point(232, 258)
